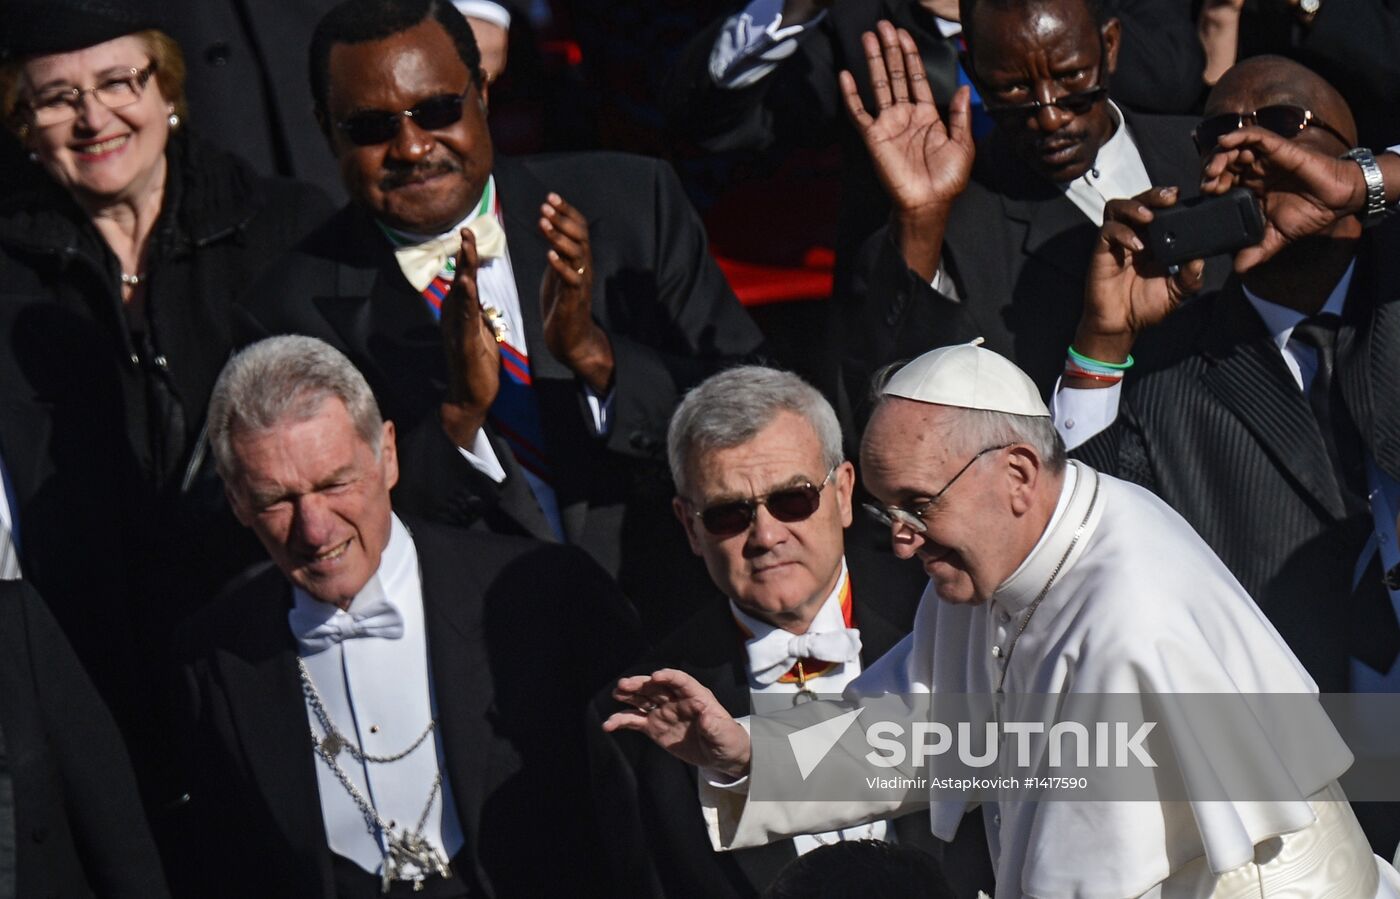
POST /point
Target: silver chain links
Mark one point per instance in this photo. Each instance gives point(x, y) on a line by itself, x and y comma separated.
point(404, 847)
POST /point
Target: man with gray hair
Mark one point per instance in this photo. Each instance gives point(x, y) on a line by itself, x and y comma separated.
point(764, 494)
point(1049, 584)
point(363, 714)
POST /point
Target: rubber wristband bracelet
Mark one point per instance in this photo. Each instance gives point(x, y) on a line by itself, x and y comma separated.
point(1095, 364)
point(1074, 371)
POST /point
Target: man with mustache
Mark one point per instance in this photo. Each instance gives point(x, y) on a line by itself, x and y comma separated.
point(574, 294)
point(999, 250)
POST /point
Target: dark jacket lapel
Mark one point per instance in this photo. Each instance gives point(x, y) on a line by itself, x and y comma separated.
point(1056, 232)
point(384, 323)
point(258, 672)
point(1164, 143)
point(1368, 347)
point(1246, 372)
point(461, 678)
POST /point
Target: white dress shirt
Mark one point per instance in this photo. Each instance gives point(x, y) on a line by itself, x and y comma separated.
point(829, 618)
point(378, 693)
point(1117, 172)
point(1079, 414)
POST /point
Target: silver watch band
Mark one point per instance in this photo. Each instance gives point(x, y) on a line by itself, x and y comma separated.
point(1375, 184)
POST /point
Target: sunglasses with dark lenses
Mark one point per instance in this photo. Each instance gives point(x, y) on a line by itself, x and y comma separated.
point(1285, 121)
point(787, 505)
point(1076, 103)
point(377, 126)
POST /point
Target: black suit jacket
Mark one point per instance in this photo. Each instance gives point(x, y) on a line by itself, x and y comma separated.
point(661, 300)
point(1225, 436)
point(1017, 248)
point(71, 820)
point(520, 634)
point(658, 845)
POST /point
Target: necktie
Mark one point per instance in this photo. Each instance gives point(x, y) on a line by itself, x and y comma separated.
point(422, 263)
point(1338, 430)
point(772, 655)
point(316, 631)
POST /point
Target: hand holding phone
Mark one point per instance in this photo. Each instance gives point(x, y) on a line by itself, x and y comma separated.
point(1205, 226)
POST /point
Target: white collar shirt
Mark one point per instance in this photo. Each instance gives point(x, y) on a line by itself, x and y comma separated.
point(1118, 171)
point(378, 694)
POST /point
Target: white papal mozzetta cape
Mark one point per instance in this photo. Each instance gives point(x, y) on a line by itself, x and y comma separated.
point(1141, 606)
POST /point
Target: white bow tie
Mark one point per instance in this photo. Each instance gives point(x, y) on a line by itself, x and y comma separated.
point(422, 262)
point(772, 655)
point(315, 632)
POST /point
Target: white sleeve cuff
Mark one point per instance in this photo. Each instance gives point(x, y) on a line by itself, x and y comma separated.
point(723, 782)
point(484, 10)
point(943, 283)
point(1080, 413)
point(482, 457)
point(752, 44)
point(601, 407)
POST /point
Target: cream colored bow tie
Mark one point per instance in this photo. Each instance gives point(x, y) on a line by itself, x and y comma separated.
point(422, 262)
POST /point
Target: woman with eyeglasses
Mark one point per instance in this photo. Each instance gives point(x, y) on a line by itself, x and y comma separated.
point(121, 249)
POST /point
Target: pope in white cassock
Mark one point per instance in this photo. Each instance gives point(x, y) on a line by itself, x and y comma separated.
point(1054, 579)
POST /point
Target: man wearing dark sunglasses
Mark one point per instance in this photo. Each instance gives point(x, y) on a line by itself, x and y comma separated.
point(528, 323)
point(998, 249)
point(764, 497)
point(1273, 433)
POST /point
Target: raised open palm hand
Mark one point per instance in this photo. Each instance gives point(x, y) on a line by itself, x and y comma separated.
point(921, 160)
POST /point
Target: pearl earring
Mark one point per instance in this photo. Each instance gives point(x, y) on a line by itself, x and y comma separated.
point(174, 120)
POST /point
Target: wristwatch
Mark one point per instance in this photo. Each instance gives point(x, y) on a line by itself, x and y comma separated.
point(1375, 184)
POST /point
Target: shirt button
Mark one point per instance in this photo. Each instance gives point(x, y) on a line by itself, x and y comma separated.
point(1069, 424)
point(996, 819)
point(996, 651)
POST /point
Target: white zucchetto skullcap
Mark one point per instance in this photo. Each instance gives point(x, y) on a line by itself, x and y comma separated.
point(969, 377)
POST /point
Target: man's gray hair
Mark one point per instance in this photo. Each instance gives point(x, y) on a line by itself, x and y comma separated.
point(729, 409)
point(977, 429)
point(286, 379)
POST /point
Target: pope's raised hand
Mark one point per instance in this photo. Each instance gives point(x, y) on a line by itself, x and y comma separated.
point(473, 359)
point(1126, 291)
point(1303, 191)
point(923, 162)
point(566, 296)
point(683, 718)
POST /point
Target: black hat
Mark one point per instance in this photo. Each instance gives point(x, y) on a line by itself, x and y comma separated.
point(32, 27)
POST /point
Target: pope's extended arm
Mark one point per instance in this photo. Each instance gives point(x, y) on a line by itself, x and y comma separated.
point(683, 718)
